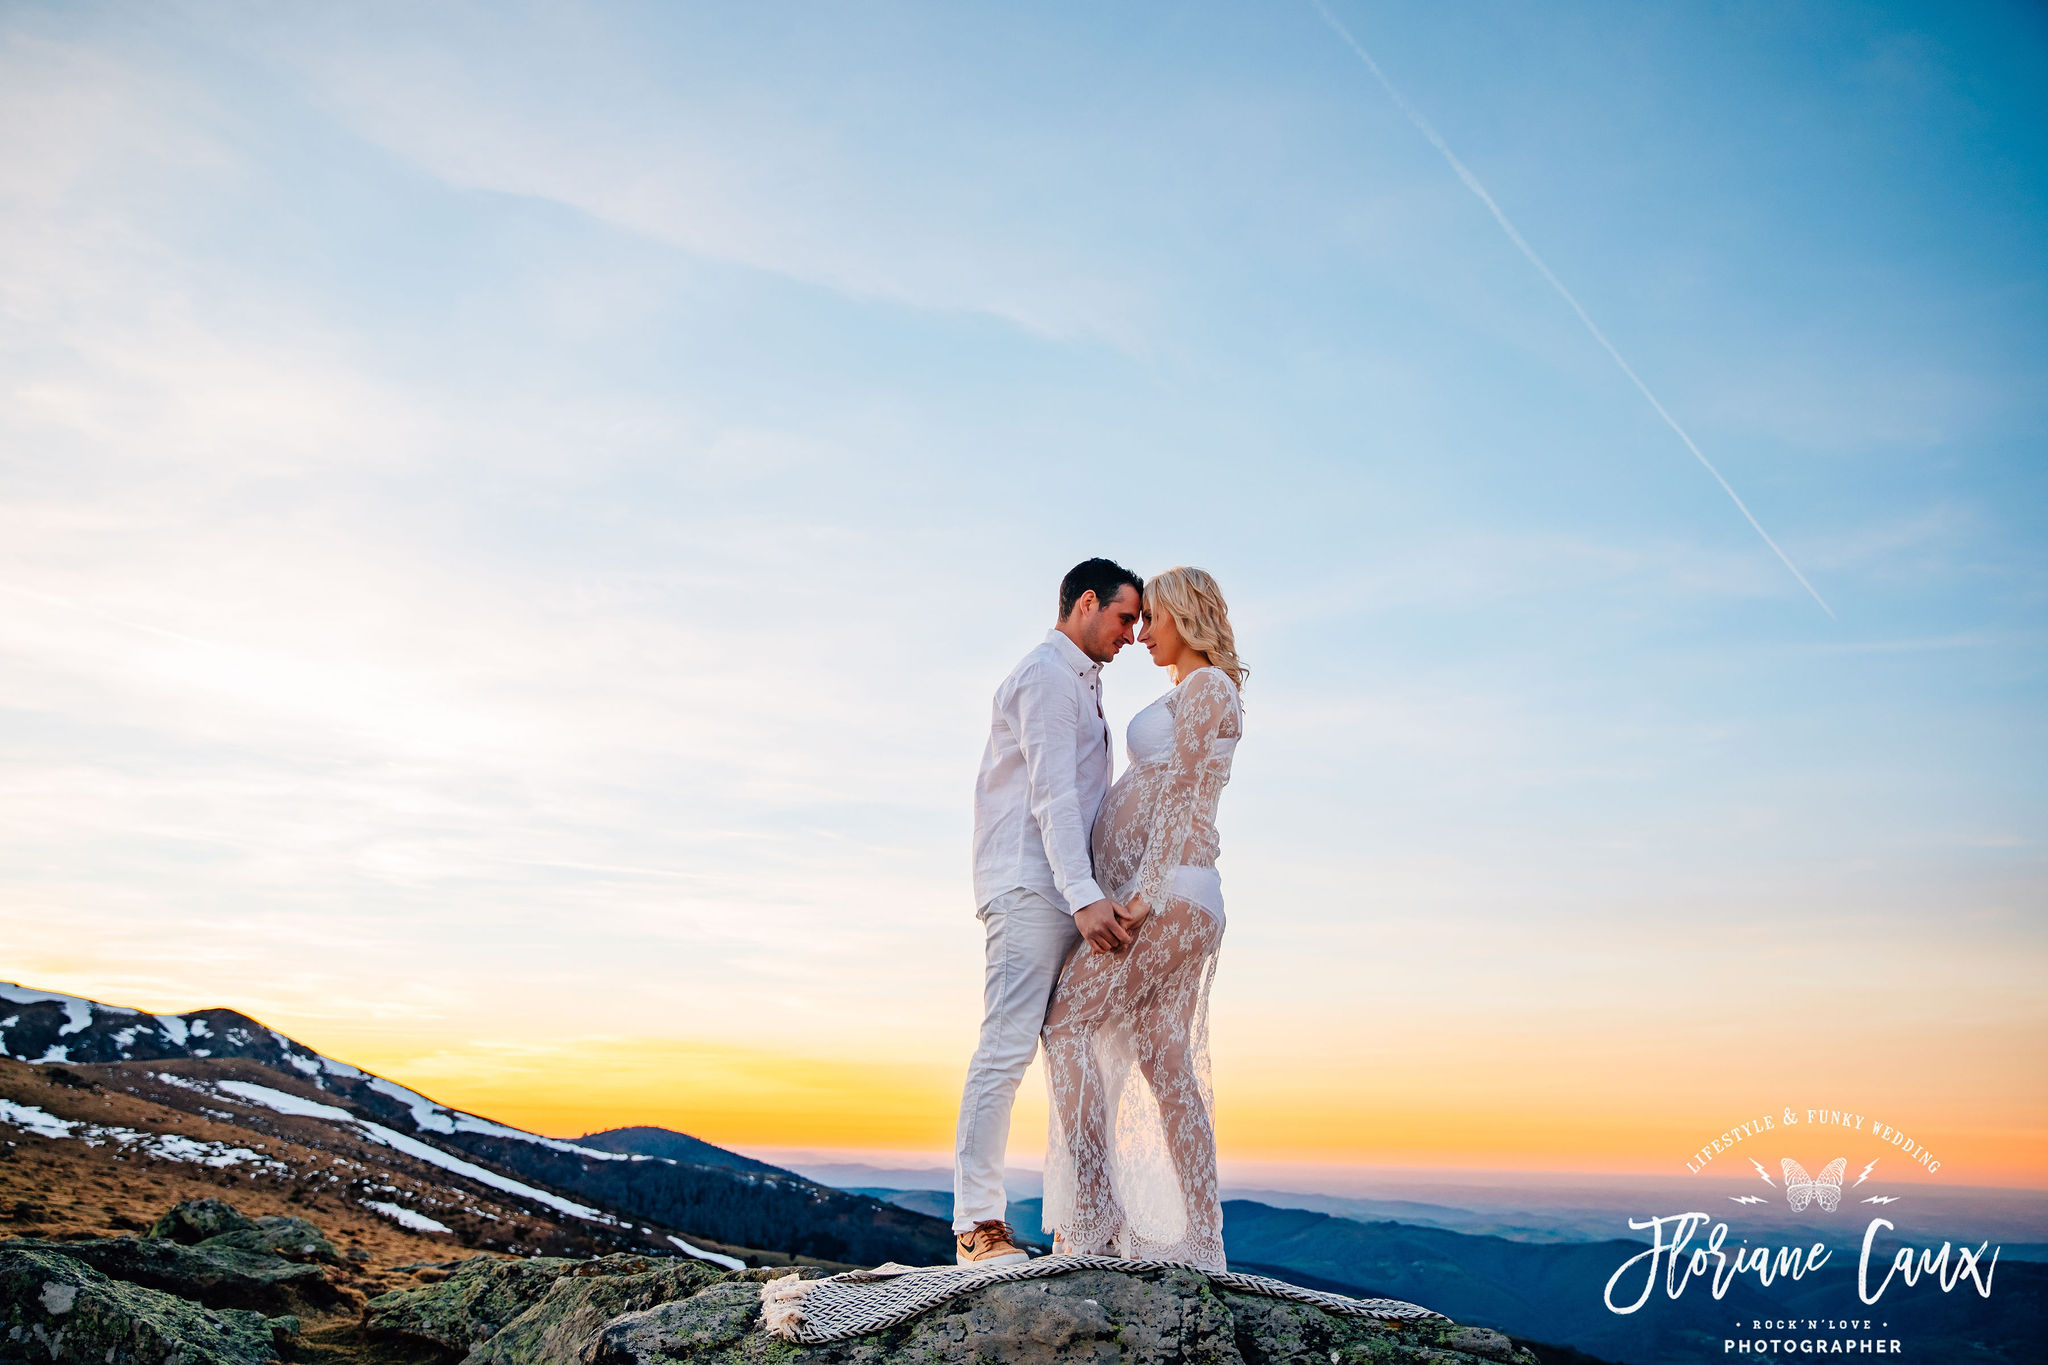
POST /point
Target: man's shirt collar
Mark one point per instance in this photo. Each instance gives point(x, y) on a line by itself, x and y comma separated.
point(1071, 653)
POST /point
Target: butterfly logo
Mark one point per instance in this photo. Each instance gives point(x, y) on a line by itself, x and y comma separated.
point(1825, 1188)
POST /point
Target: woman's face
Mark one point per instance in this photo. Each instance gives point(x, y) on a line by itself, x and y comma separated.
point(1160, 635)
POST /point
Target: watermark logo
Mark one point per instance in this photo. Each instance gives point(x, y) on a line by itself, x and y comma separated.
point(1697, 1247)
point(1825, 1190)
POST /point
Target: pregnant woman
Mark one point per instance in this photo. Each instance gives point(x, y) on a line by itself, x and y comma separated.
point(1131, 1167)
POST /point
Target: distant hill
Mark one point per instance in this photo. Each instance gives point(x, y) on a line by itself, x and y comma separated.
point(666, 1142)
point(484, 1184)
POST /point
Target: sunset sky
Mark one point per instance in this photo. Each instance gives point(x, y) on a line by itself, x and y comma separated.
point(510, 517)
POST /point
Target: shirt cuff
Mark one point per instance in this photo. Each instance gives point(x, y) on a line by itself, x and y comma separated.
point(1083, 895)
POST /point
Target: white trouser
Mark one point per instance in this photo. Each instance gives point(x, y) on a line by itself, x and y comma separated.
point(1028, 941)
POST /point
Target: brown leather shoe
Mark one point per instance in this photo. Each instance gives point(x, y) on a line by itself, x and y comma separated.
point(990, 1243)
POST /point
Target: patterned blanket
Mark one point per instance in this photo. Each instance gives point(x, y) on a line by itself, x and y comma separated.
point(863, 1301)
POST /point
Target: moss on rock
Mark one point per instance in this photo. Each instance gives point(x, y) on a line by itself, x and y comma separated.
point(210, 1273)
point(469, 1307)
point(195, 1220)
point(295, 1239)
point(56, 1308)
point(578, 1305)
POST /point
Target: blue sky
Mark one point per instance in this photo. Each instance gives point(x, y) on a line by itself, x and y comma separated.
point(513, 505)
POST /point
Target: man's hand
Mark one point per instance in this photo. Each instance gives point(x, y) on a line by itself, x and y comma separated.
point(1098, 924)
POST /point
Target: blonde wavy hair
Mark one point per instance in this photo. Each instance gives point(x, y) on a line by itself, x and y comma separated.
point(1192, 599)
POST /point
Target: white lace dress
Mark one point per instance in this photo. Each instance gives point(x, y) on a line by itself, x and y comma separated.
point(1130, 1168)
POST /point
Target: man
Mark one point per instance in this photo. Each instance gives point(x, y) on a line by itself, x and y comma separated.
point(1043, 778)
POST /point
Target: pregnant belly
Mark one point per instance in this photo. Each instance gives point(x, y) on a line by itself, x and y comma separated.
point(1119, 843)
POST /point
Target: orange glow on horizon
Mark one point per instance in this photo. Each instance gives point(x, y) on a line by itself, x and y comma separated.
point(1474, 1103)
point(758, 1098)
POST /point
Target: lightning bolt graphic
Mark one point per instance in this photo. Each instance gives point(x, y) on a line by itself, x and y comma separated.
point(1866, 1174)
point(1764, 1173)
point(1745, 1199)
point(1882, 1199)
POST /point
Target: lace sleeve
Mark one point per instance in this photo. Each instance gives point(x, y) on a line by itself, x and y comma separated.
point(1201, 708)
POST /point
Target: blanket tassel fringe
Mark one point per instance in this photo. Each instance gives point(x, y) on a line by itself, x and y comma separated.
point(782, 1312)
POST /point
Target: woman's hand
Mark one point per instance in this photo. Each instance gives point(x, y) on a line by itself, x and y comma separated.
point(1133, 915)
point(1101, 923)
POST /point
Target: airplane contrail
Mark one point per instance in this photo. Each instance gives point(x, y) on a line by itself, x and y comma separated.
point(1424, 127)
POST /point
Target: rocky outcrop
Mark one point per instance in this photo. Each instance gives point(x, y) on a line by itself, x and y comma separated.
point(187, 1295)
point(200, 1220)
point(577, 1306)
point(56, 1308)
point(217, 1223)
point(469, 1307)
point(210, 1274)
point(631, 1310)
point(1092, 1316)
point(548, 1308)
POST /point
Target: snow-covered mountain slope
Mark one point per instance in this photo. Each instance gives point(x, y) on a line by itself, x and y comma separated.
point(639, 1184)
point(92, 1149)
point(46, 1026)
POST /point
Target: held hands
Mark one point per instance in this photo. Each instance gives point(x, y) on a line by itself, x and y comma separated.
point(1101, 924)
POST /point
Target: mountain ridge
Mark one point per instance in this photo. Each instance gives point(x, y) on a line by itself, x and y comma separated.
point(189, 1061)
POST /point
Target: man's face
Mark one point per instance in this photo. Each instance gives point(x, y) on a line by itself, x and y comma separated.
point(1105, 630)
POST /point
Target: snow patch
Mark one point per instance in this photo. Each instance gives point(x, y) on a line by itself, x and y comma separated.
point(405, 1217)
point(57, 1053)
point(430, 1117)
point(434, 1156)
point(297, 1061)
point(282, 1102)
point(716, 1258)
point(168, 1146)
point(77, 1009)
point(411, 1146)
point(171, 1026)
point(178, 1147)
point(35, 1120)
point(426, 1115)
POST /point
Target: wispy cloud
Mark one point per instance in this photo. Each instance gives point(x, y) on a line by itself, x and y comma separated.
point(1471, 181)
point(716, 171)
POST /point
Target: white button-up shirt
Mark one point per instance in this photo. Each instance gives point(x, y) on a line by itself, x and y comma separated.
point(1042, 779)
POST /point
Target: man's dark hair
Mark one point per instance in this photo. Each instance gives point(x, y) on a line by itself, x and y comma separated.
point(1103, 577)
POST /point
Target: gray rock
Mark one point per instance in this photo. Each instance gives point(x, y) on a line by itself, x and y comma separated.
point(295, 1239)
point(56, 1308)
point(1097, 1317)
point(467, 1309)
point(718, 1323)
point(215, 1222)
point(195, 1220)
point(577, 1306)
point(215, 1275)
